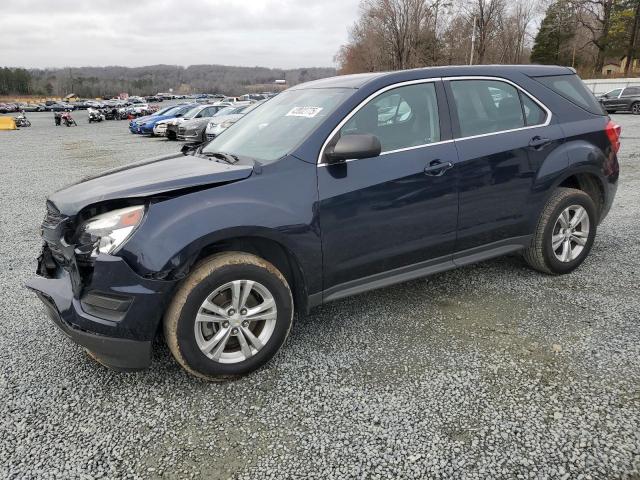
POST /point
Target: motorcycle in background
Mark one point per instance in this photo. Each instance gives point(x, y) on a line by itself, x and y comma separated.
point(95, 115)
point(22, 120)
point(67, 119)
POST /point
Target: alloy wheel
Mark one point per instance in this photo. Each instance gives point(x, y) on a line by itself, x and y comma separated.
point(635, 108)
point(570, 233)
point(235, 321)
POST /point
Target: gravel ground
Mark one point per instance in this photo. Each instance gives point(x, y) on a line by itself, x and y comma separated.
point(491, 371)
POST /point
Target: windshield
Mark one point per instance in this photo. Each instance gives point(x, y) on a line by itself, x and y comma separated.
point(280, 124)
point(173, 110)
point(164, 110)
point(193, 112)
point(228, 111)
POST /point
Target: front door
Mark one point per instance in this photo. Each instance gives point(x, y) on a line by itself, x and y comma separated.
point(396, 210)
point(612, 100)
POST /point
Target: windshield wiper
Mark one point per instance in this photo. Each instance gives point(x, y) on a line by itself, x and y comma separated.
point(225, 157)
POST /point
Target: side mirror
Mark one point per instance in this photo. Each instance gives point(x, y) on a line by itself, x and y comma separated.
point(353, 147)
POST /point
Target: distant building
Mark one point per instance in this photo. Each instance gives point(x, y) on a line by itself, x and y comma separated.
point(72, 97)
point(614, 67)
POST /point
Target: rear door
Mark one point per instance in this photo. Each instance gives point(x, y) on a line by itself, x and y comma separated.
point(502, 137)
point(399, 209)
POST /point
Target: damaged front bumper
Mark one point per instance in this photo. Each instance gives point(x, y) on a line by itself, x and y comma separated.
point(110, 310)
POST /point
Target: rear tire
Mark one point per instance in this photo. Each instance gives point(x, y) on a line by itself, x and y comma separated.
point(564, 234)
point(635, 108)
point(229, 317)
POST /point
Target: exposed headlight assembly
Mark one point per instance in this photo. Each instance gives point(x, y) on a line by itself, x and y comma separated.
point(109, 230)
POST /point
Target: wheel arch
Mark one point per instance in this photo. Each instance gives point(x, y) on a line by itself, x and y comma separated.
point(270, 249)
point(586, 180)
point(589, 183)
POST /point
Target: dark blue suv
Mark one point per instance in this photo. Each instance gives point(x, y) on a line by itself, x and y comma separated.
point(329, 189)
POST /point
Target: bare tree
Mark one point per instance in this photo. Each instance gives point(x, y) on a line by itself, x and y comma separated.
point(399, 24)
point(487, 15)
point(595, 17)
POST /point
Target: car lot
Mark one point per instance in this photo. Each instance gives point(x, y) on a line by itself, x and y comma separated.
point(491, 371)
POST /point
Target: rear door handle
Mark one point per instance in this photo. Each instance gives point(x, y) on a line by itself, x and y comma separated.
point(437, 168)
point(538, 143)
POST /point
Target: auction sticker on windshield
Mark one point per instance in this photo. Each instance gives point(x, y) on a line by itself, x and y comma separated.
point(308, 112)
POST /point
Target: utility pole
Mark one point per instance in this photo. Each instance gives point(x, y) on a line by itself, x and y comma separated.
point(473, 41)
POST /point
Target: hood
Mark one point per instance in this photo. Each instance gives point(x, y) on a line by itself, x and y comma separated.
point(147, 178)
point(225, 118)
point(152, 119)
point(195, 122)
point(141, 120)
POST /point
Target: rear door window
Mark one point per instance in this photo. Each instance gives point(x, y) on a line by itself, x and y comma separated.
point(533, 113)
point(486, 106)
point(572, 88)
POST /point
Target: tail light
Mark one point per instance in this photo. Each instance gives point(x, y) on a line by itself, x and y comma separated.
point(613, 131)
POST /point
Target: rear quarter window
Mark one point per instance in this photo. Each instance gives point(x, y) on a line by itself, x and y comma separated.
point(572, 88)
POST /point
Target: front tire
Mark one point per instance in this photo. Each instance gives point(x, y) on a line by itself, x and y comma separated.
point(229, 317)
point(565, 232)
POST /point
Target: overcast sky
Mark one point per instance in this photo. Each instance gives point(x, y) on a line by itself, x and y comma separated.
point(270, 33)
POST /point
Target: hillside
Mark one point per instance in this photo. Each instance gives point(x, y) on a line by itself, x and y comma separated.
point(98, 81)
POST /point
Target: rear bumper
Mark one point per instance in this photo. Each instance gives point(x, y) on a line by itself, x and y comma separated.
point(611, 189)
point(115, 314)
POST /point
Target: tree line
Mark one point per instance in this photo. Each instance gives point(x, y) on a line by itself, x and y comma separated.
point(15, 81)
point(93, 82)
point(398, 34)
point(586, 33)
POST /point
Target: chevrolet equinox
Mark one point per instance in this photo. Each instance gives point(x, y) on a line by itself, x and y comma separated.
point(331, 188)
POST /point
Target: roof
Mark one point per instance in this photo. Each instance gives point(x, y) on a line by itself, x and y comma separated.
point(360, 79)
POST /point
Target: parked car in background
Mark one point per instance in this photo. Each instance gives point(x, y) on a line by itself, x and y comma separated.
point(60, 107)
point(160, 128)
point(138, 109)
point(146, 126)
point(251, 97)
point(135, 124)
point(193, 130)
point(225, 118)
point(8, 107)
point(197, 115)
point(622, 100)
point(32, 107)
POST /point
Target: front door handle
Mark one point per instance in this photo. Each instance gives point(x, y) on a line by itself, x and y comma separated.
point(437, 168)
point(539, 143)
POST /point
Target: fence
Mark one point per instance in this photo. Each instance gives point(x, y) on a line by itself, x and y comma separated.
point(603, 85)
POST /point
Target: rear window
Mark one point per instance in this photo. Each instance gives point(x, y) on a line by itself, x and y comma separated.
point(572, 88)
